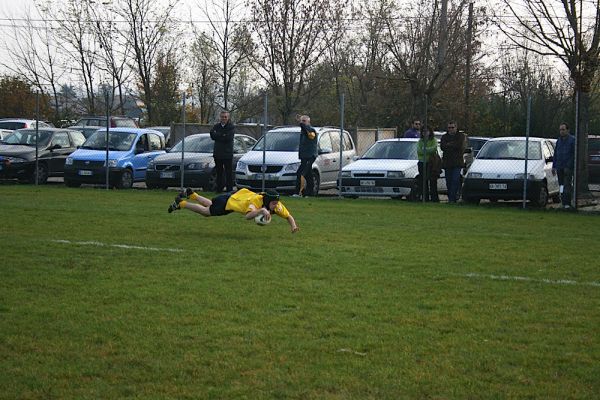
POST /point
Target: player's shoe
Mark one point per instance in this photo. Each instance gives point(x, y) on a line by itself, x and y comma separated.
point(175, 205)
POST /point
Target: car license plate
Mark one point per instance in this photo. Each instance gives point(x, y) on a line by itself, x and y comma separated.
point(167, 175)
point(498, 186)
point(367, 183)
point(268, 177)
point(85, 172)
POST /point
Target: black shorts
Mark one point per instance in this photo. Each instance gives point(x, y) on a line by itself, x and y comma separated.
point(218, 205)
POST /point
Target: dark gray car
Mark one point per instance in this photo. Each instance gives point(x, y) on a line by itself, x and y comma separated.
point(18, 152)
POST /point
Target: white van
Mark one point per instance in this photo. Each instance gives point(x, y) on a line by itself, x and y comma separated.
point(498, 171)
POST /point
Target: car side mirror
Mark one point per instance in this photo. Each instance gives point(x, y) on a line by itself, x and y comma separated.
point(325, 150)
point(139, 150)
point(56, 146)
point(549, 159)
point(469, 150)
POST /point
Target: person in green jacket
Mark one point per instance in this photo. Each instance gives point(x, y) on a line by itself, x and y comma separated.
point(428, 166)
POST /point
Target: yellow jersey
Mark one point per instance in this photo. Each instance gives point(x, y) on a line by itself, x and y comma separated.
point(242, 200)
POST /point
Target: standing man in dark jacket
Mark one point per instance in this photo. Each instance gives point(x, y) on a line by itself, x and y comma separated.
point(453, 146)
point(564, 163)
point(307, 153)
point(222, 133)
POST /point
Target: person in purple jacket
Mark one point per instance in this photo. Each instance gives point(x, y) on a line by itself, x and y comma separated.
point(415, 130)
point(564, 163)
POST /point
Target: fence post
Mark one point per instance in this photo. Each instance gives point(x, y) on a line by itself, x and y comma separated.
point(263, 167)
point(107, 171)
point(37, 134)
point(341, 145)
point(182, 166)
point(526, 175)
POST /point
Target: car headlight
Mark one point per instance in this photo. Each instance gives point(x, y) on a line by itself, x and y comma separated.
point(346, 174)
point(395, 174)
point(474, 175)
point(241, 166)
point(291, 167)
point(69, 161)
point(15, 160)
point(196, 165)
point(111, 163)
point(522, 176)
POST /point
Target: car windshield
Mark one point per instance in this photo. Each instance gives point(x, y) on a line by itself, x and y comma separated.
point(509, 150)
point(397, 150)
point(27, 137)
point(199, 144)
point(279, 141)
point(119, 141)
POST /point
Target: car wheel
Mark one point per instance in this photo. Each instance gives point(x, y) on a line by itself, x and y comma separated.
point(126, 180)
point(316, 183)
point(70, 183)
point(42, 174)
point(542, 198)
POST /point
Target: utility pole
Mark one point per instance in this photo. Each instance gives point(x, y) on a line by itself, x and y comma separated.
point(443, 43)
point(468, 71)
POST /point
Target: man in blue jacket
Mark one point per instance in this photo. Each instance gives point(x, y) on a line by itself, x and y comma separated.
point(564, 163)
point(307, 153)
point(222, 133)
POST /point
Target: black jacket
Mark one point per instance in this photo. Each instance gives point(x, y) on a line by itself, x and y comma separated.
point(308, 145)
point(223, 137)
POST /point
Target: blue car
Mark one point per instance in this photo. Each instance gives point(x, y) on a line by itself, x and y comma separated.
point(129, 152)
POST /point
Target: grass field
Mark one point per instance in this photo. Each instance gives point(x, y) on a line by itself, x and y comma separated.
point(105, 295)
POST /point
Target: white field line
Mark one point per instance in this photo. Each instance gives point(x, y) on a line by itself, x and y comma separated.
point(526, 279)
point(121, 246)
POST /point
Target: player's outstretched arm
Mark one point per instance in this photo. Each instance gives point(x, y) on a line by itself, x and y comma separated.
point(292, 223)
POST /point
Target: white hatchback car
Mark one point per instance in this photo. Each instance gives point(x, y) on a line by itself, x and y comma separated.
point(387, 169)
point(498, 172)
point(281, 159)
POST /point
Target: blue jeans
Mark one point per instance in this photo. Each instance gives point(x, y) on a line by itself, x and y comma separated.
point(453, 183)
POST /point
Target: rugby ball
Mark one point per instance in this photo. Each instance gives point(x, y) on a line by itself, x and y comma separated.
point(260, 219)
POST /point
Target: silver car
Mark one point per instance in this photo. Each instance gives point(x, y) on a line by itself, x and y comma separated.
point(281, 160)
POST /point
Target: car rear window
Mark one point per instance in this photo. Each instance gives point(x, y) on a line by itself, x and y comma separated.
point(12, 125)
point(124, 123)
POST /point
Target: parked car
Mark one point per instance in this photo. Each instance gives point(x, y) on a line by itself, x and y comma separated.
point(20, 123)
point(282, 162)
point(129, 152)
point(115, 121)
point(498, 172)
point(18, 152)
point(165, 130)
point(90, 124)
point(165, 169)
point(474, 144)
point(388, 168)
point(594, 158)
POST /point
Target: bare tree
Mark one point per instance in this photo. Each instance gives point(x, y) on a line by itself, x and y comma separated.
point(32, 56)
point(77, 39)
point(558, 28)
point(424, 56)
point(229, 40)
point(113, 54)
point(204, 76)
point(292, 36)
point(150, 26)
